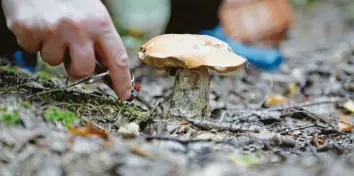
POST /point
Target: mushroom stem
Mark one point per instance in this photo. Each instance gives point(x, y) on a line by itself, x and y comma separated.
point(190, 94)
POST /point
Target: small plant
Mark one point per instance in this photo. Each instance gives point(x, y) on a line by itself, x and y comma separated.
point(3, 109)
point(9, 68)
point(65, 117)
point(246, 160)
point(27, 104)
point(44, 77)
point(10, 118)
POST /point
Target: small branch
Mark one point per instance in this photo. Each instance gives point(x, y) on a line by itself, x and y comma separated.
point(224, 126)
point(256, 112)
point(313, 116)
point(299, 128)
point(322, 117)
point(44, 92)
point(184, 142)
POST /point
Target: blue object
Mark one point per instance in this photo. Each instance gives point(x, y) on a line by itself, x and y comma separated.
point(265, 59)
point(18, 56)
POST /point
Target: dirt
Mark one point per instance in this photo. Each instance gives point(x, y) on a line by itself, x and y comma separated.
point(290, 122)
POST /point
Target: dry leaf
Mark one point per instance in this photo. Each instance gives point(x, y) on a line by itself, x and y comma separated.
point(184, 122)
point(137, 151)
point(276, 100)
point(318, 141)
point(349, 105)
point(89, 130)
point(292, 89)
point(295, 132)
point(345, 127)
point(245, 160)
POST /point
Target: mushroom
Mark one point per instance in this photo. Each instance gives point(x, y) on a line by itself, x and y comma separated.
point(190, 56)
point(256, 22)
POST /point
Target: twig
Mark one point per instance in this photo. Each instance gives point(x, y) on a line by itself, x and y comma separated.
point(44, 92)
point(204, 124)
point(57, 89)
point(321, 116)
point(314, 116)
point(181, 141)
point(255, 112)
point(299, 128)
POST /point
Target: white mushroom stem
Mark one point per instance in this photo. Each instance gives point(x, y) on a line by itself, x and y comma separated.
point(190, 94)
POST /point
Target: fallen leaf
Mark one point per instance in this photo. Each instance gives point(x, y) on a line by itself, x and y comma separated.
point(89, 130)
point(292, 89)
point(276, 99)
point(137, 151)
point(205, 136)
point(245, 160)
point(184, 122)
point(349, 105)
point(345, 126)
point(295, 132)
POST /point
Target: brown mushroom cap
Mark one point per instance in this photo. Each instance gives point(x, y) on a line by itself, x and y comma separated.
point(190, 51)
point(256, 21)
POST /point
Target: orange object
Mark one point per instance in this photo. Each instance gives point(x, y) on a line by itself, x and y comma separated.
point(264, 22)
point(346, 126)
point(135, 92)
point(89, 130)
point(190, 51)
point(276, 100)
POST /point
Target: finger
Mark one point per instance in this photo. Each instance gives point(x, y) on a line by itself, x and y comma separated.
point(52, 51)
point(27, 36)
point(82, 61)
point(116, 58)
point(28, 45)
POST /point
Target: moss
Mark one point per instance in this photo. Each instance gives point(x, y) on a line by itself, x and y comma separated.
point(45, 73)
point(44, 77)
point(88, 103)
point(132, 112)
point(3, 109)
point(65, 117)
point(70, 96)
point(10, 118)
point(27, 104)
point(8, 68)
point(246, 160)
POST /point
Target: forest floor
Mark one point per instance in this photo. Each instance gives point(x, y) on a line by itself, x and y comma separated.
point(296, 121)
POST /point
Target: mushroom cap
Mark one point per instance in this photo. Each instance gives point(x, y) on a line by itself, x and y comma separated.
point(256, 21)
point(189, 51)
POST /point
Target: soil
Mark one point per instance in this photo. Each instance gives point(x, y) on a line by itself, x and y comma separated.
point(296, 121)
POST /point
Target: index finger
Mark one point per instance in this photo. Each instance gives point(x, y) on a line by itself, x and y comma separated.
point(116, 60)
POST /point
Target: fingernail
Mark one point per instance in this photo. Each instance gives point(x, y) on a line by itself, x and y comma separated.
point(127, 95)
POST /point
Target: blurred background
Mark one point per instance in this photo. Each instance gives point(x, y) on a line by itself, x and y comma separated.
point(255, 29)
point(248, 26)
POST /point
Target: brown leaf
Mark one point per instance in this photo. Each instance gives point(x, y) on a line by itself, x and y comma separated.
point(343, 126)
point(318, 141)
point(276, 100)
point(137, 151)
point(184, 122)
point(89, 130)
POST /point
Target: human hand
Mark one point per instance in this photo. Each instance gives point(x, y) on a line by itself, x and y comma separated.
point(81, 27)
